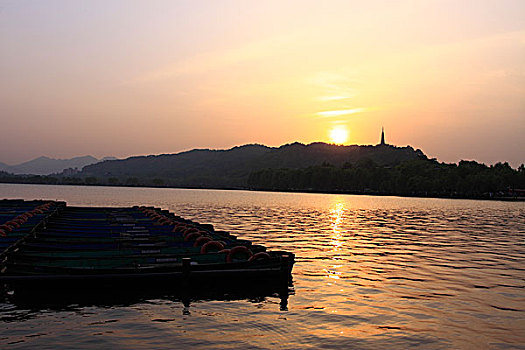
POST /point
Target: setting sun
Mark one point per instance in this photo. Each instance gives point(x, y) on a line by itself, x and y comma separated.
point(338, 135)
point(303, 165)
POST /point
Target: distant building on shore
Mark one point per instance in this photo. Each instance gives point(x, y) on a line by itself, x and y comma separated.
point(383, 143)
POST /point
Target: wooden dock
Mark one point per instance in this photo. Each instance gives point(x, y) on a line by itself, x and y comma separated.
point(53, 245)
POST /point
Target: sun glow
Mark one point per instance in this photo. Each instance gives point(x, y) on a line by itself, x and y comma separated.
point(339, 135)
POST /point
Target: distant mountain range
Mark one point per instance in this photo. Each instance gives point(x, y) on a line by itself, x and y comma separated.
point(317, 167)
point(47, 166)
point(231, 168)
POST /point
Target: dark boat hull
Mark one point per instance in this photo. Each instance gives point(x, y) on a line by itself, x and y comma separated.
point(100, 248)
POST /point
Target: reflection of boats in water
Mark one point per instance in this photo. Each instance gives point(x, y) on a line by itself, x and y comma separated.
point(28, 302)
point(55, 247)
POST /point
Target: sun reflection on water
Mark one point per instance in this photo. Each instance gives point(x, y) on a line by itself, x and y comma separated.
point(336, 238)
point(336, 215)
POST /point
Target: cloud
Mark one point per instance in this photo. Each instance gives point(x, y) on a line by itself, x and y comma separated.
point(338, 113)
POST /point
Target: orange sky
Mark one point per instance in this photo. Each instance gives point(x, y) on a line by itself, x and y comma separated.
point(126, 78)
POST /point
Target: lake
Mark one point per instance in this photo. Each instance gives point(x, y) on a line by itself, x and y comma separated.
point(371, 272)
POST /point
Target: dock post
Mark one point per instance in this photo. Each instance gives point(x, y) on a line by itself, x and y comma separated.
point(186, 266)
point(185, 283)
point(285, 269)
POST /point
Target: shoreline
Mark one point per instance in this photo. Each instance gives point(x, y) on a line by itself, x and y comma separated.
point(367, 193)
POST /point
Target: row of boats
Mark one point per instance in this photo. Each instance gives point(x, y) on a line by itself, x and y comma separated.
point(48, 241)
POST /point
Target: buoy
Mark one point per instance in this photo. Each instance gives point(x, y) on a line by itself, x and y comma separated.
point(192, 236)
point(190, 230)
point(260, 256)
point(239, 253)
point(201, 240)
point(179, 228)
point(13, 224)
point(216, 246)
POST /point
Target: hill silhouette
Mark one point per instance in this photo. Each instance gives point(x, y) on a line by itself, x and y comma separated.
point(45, 165)
point(317, 167)
point(231, 168)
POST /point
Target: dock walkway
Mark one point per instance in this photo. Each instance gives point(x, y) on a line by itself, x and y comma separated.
point(48, 241)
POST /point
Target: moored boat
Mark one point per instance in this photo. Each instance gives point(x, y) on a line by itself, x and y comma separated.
point(96, 246)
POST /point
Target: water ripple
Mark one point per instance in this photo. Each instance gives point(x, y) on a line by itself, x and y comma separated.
point(371, 272)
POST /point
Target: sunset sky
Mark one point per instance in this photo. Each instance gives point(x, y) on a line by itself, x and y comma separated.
point(123, 78)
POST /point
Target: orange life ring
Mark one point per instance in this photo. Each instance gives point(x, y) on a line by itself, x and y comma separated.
point(259, 256)
point(190, 230)
point(13, 224)
point(202, 232)
point(201, 241)
point(211, 244)
point(179, 228)
point(239, 250)
point(192, 236)
point(6, 228)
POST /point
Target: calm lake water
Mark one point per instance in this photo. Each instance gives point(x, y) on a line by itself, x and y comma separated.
point(371, 272)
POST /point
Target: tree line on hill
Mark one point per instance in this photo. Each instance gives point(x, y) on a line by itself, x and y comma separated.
point(317, 167)
point(418, 177)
